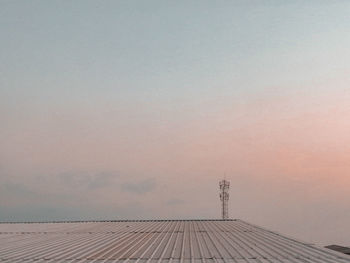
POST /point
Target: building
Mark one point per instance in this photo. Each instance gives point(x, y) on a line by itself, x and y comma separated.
point(175, 241)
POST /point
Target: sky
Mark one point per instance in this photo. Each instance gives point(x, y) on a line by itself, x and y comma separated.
point(137, 109)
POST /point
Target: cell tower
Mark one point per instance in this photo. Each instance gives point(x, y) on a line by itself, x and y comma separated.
point(224, 196)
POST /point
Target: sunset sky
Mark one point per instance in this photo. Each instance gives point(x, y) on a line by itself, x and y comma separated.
point(136, 110)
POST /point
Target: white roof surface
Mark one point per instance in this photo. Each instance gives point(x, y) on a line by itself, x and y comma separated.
point(188, 241)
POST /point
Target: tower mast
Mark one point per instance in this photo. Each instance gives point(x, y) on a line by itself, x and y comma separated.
point(224, 196)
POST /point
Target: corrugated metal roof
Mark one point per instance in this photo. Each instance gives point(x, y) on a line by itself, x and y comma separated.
point(175, 241)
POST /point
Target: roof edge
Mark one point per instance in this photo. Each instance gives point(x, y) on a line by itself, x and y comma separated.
point(325, 250)
point(112, 220)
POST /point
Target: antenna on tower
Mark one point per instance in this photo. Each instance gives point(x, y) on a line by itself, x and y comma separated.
point(224, 196)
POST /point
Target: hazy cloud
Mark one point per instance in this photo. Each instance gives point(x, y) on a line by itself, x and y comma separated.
point(140, 187)
point(9, 191)
point(72, 196)
point(102, 180)
point(88, 180)
point(175, 201)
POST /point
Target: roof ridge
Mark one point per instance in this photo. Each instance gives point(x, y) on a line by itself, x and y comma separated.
point(112, 220)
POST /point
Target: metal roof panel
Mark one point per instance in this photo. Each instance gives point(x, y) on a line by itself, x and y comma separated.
point(173, 241)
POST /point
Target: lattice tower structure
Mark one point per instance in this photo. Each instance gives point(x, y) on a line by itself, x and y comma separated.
point(224, 197)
